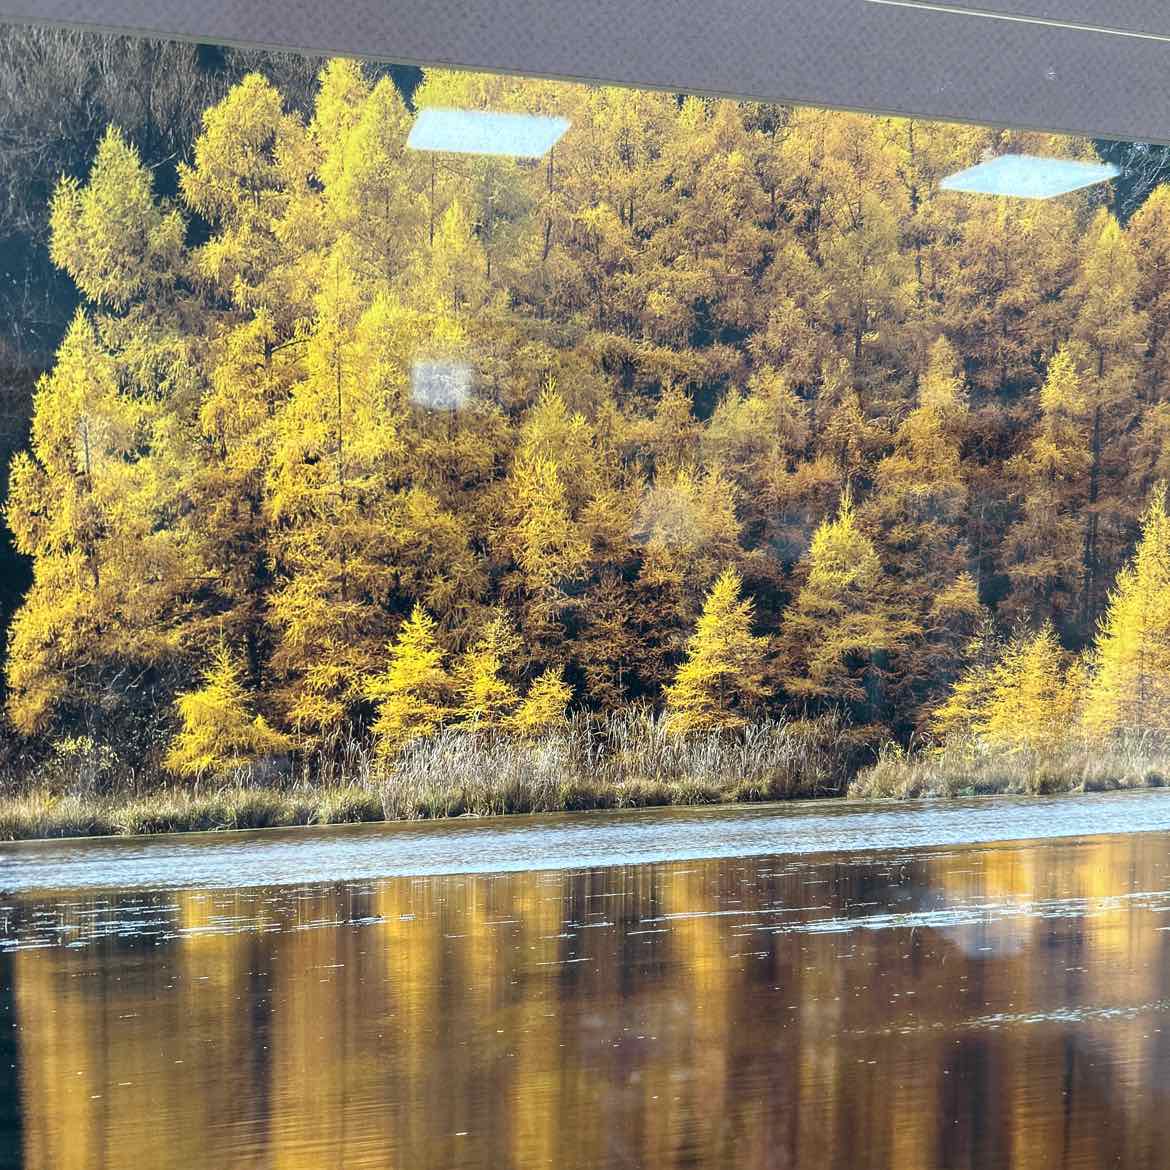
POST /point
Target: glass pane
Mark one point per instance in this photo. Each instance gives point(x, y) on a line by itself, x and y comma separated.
point(396, 444)
point(609, 411)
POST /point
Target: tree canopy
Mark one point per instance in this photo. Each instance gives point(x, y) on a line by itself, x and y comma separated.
point(722, 407)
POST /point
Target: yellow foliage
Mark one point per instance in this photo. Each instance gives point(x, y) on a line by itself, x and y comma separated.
point(545, 540)
point(414, 691)
point(110, 235)
point(544, 706)
point(550, 432)
point(840, 621)
point(218, 731)
point(1062, 395)
point(250, 177)
point(722, 680)
point(486, 698)
point(676, 339)
point(92, 504)
point(1044, 548)
point(941, 389)
point(1024, 699)
point(1129, 688)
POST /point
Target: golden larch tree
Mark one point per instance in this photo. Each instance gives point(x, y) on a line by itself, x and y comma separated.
point(94, 501)
point(486, 698)
point(111, 235)
point(1112, 333)
point(918, 512)
point(1023, 699)
point(414, 692)
point(721, 682)
point(1129, 688)
point(251, 172)
point(1149, 231)
point(841, 629)
point(1041, 551)
point(218, 730)
point(544, 706)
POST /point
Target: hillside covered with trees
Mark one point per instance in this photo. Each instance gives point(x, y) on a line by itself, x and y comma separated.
point(721, 409)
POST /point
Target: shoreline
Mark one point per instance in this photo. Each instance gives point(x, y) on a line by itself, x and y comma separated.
point(622, 764)
point(42, 816)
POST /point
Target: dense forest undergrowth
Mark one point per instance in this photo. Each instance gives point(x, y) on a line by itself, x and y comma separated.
point(718, 455)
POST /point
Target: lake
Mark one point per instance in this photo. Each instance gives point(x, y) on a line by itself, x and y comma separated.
point(972, 984)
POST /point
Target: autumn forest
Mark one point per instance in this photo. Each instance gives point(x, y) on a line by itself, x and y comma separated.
point(724, 414)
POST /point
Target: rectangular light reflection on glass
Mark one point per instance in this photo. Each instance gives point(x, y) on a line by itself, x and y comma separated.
point(440, 385)
point(485, 132)
point(1025, 176)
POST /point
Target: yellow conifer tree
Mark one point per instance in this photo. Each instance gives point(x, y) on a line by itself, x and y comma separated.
point(1042, 550)
point(1150, 233)
point(1031, 702)
point(918, 514)
point(722, 680)
point(970, 693)
point(1024, 699)
point(249, 168)
point(116, 256)
point(413, 693)
point(219, 732)
point(1129, 687)
point(544, 706)
point(93, 504)
point(486, 697)
point(1112, 332)
point(841, 628)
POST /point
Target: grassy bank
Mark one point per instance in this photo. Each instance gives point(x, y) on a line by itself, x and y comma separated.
point(968, 768)
point(627, 761)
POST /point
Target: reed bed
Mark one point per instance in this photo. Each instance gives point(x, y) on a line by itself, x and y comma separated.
point(42, 814)
point(965, 767)
point(630, 759)
point(627, 760)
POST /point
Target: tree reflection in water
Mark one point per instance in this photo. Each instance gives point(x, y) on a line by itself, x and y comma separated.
point(978, 1007)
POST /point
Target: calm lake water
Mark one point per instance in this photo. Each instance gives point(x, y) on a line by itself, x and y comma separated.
point(973, 985)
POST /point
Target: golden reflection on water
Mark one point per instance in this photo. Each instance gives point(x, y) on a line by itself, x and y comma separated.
point(979, 1008)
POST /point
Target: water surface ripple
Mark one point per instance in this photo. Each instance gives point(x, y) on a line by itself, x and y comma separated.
point(981, 985)
point(562, 841)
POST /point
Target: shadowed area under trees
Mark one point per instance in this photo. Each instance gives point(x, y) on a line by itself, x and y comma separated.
point(765, 431)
